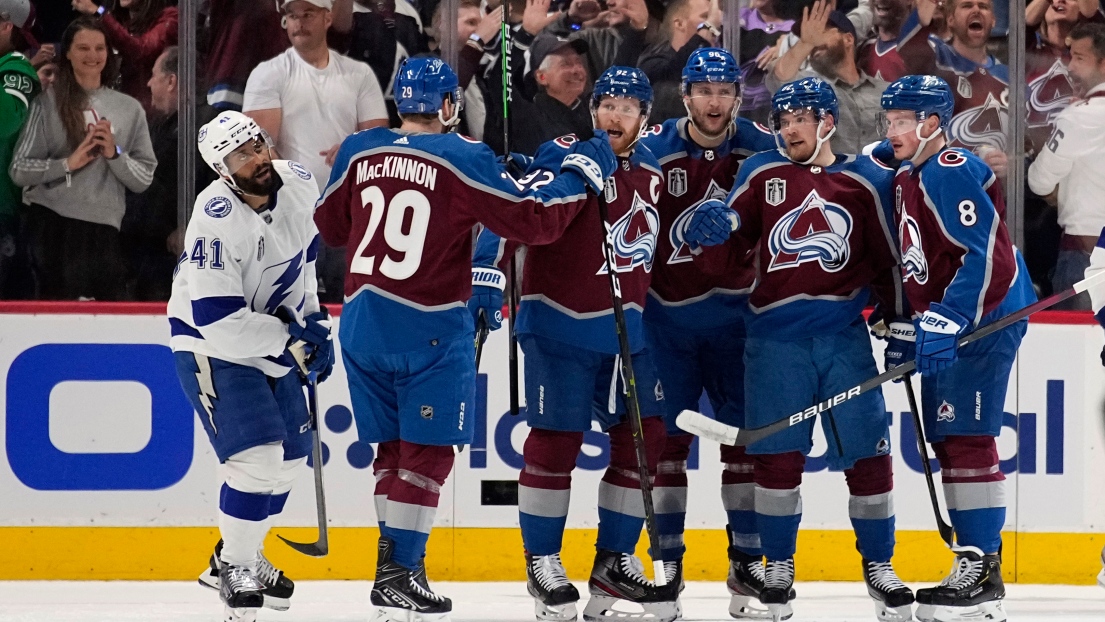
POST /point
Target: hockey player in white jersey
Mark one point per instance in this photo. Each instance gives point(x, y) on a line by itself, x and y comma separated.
point(1097, 302)
point(246, 329)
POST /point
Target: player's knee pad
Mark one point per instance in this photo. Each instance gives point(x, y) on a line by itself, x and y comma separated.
point(289, 470)
point(871, 476)
point(969, 459)
point(255, 470)
point(433, 462)
point(737, 465)
point(550, 454)
point(672, 467)
point(779, 471)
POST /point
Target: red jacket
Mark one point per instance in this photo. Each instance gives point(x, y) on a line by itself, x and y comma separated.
point(140, 51)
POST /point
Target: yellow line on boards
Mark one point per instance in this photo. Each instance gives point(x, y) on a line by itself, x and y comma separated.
point(479, 554)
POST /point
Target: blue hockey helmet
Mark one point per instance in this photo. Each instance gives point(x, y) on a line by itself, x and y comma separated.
point(422, 84)
point(925, 95)
point(711, 65)
point(813, 93)
point(624, 82)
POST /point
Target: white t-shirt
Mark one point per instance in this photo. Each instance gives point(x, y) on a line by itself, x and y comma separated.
point(319, 107)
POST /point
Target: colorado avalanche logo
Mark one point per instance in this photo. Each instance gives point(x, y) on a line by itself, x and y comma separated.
point(682, 252)
point(816, 231)
point(982, 125)
point(300, 170)
point(277, 283)
point(914, 264)
point(1048, 95)
point(218, 207)
point(634, 237)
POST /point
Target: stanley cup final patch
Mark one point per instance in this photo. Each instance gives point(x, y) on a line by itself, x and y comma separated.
point(775, 191)
point(677, 182)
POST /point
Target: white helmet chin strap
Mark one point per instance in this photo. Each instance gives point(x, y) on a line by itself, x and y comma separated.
point(453, 120)
point(820, 141)
point(924, 141)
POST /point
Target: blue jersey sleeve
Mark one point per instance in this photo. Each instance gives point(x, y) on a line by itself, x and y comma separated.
point(752, 137)
point(957, 183)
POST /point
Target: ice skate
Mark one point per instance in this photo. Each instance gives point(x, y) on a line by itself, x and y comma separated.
point(778, 588)
point(746, 579)
point(403, 595)
point(278, 588)
point(554, 595)
point(893, 600)
point(1101, 575)
point(240, 590)
point(972, 593)
point(673, 575)
point(621, 592)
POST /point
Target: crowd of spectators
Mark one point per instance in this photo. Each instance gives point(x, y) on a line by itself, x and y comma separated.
point(88, 139)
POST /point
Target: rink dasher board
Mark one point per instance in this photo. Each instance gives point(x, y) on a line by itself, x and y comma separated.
point(101, 446)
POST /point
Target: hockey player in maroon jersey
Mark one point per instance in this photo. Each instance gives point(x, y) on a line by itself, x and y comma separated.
point(567, 333)
point(821, 226)
point(695, 321)
point(405, 202)
point(980, 82)
point(960, 272)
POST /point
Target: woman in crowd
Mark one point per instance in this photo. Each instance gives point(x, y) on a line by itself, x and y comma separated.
point(82, 147)
point(139, 30)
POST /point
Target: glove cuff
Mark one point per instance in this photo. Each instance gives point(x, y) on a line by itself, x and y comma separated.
point(488, 277)
point(942, 320)
point(585, 166)
point(902, 330)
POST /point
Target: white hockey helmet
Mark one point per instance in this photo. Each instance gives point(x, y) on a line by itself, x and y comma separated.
point(221, 136)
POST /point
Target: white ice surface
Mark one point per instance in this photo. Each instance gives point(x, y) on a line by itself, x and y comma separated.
point(333, 601)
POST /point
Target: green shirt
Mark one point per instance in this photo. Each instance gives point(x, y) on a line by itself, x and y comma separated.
point(18, 86)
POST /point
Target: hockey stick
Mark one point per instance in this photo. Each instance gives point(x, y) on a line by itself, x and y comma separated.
point(701, 425)
point(512, 283)
point(481, 336)
point(632, 405)
point(946, 532)
point(322, 546)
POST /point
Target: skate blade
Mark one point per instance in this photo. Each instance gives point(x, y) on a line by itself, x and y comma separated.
point(395, 614)
point(271, 602)
point(780, 612)
point(742, 607)
point(893, 614)
point(1101, 578)
point(239, 615)
point(555, 613)
point(992, 611)
point(603, 608)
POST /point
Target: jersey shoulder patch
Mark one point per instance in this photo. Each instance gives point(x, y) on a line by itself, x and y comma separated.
point(299, 170)
point(951, 157)
point(218, 207)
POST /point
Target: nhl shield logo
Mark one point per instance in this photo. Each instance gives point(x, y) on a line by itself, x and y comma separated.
point(775, 191)
point(427, 412)
point(677, 182)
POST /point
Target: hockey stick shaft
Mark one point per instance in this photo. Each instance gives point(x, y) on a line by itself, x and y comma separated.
point(722, 433)
point(512, 278)
point(481, 336)
point(322, 546)
point(946, 531)
point(632, 403)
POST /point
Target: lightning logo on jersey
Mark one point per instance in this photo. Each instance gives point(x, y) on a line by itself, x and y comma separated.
point(816, 231)
point(914, 264)
point(682, 252)
point(982, 125)
point(277, 283)
point(634, 237)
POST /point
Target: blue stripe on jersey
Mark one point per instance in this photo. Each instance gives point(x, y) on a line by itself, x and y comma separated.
point(244, 505)
point(805, 318)
point(717, 309)
point(284, 359)
point(180, 327)
point(312, 249)
point(206, 311)
point(596, 334)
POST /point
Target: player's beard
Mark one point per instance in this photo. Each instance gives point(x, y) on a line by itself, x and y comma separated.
point(712, 126)
point(253, 185)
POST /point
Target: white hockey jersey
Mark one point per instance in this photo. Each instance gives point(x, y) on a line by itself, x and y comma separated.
point(1097, 266)
point(238, 267)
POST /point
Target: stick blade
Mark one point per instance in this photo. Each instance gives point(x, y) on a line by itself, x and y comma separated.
point(314, 549)
point(700, 425)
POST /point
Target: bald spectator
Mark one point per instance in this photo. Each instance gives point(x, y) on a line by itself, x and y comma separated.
point(688, 25)
point(827, 39)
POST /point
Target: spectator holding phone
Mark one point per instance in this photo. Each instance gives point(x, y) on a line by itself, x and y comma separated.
point(83, 146)
point(139, 30)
